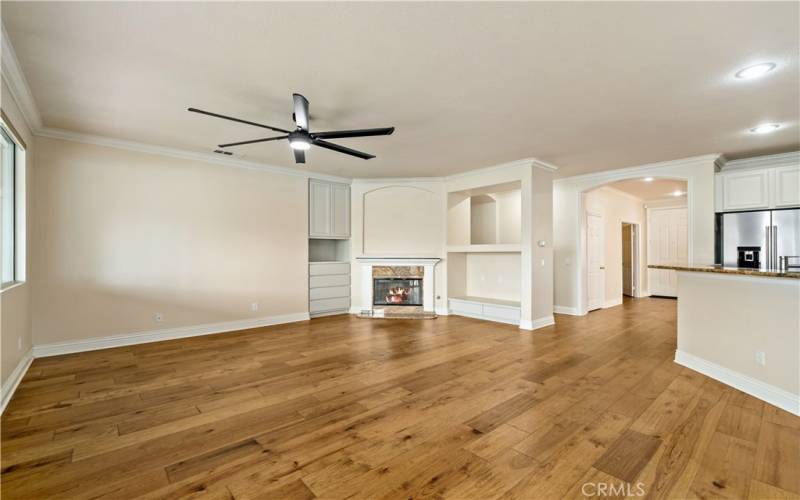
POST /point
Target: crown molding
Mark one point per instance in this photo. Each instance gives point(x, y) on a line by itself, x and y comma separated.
point(397, 180)
point(524, 162)
point(777, 160)
point(18, 85)
point(544, 165)
point(624, 173)
point(66, 135)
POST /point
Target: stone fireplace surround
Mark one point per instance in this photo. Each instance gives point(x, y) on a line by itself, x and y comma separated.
point(375, 267)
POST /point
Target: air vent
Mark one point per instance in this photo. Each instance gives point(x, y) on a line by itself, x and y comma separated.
point(221, 152)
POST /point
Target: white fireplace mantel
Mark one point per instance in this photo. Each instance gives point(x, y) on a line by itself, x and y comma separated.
point(428, 303)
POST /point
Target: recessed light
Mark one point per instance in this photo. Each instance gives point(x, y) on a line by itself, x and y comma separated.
point(765, 128)
point(648, 179)
point(755, 71)
point(677, 193)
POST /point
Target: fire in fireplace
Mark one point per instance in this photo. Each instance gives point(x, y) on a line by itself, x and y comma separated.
point(397, 292)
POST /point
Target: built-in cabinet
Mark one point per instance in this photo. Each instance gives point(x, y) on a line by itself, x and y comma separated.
point(328, 248)
point(759, 183)
point(328, 210)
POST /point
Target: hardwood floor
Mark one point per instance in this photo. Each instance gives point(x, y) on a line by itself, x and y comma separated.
point(342, 407)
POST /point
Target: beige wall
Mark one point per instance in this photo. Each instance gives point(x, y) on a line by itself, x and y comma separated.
point(15, 303)
point(495, 275)
point(541, 222)
point(616, 207)
point(122, 235)
point(726, 319)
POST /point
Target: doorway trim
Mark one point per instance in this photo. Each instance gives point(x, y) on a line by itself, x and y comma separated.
point(569, 221)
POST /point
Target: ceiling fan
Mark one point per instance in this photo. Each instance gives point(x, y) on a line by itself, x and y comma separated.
point(301, 139)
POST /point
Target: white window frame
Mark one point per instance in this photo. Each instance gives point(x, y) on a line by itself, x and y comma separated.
point(20, 204)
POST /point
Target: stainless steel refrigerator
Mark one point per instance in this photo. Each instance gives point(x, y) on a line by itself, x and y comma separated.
point(775, 232)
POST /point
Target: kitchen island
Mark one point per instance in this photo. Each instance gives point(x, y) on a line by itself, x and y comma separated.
point(742, 327)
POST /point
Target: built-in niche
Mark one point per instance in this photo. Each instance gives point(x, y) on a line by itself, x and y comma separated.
point(484, 258)
point(489, 215)
point(328, 250)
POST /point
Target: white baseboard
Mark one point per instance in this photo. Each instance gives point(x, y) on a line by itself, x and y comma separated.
point(484, 318)
point(766, 392)
point(537, 323)
point(10, 385)
point(355, 309)
point(442, 311)
point(613, 303)
point(329, 313)
point(94, 344)
point(565, 310)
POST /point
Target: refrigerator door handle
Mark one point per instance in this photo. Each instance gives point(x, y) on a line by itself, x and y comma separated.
point(768, 250)
point(775, 261)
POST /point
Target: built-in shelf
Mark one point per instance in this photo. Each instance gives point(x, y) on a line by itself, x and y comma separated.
point(488, 300)
point(495, 248)
point(504, 311)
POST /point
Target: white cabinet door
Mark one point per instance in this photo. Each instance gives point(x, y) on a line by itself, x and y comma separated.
point(667, 243)
point(786, 187)
point(747, 190)
point(340, 210)
point(319, 209)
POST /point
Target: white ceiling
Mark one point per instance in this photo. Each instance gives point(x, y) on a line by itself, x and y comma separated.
point(585, 86)
point(657, 189)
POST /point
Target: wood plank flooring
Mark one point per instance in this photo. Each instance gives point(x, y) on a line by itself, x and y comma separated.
point(342, 407)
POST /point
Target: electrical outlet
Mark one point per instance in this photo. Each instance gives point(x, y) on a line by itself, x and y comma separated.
point(761, 358)
point(542, 262)
point(254, 306)
point(159, 317)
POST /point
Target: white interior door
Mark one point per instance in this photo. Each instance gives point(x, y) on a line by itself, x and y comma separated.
point(667, 244)
point(596, 274)
point(627, 260)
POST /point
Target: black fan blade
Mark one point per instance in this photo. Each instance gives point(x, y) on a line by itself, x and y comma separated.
point(209, 113)
point(300, 111)
point(341, 149)
point(253, 141)
point(299, 156)
point(337, 134)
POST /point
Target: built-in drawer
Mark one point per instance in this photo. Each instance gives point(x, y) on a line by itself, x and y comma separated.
point(328, 268)
point(329, 292)
point(459, 306)
point(331, 280)
point(324, 305)
point(501, 313)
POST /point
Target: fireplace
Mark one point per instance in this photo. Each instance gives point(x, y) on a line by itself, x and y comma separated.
point(397, 292)
point(397, 287)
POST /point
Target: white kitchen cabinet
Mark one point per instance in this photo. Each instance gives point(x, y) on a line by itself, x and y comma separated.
point(328, 210)
point(745, 190)
point(758, 183)
point(786, 187)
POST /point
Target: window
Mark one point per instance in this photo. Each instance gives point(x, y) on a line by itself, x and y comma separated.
point(10, 248)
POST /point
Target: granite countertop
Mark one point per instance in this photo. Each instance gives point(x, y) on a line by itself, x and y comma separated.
point(772, 273)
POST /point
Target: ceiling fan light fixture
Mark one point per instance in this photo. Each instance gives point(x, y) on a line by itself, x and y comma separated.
point(300, 144)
